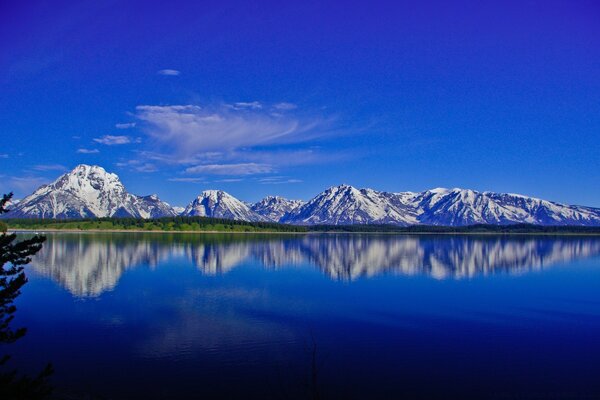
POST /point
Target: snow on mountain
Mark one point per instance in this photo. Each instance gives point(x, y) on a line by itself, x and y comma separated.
point(87, 192)
point(152, 207)
point(274, 208)
point(90, 191)
point(12, 203)
point(219, 204)
point(454, 207)
point(178, 210)
point(465, 207)
point(344, 204)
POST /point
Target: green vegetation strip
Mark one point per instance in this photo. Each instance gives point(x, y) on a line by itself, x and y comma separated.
point(175, 224)
point(191, 224)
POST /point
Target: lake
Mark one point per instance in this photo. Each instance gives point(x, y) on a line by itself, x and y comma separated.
point(128, 315)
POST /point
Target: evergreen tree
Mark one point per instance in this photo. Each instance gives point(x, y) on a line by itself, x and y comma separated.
point(13, 257)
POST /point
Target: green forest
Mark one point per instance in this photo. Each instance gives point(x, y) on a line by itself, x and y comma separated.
point(193, 224)
point(168, 224)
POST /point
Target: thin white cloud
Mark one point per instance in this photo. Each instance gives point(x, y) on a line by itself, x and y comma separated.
point(231, 169)
point(243, 138)
point(169, 72)
point(192, 180)
point(126, 125)
point(253, 105)
point(111, 140)
point(290, 157)
point(229, 180)
point(188, 108)
point(278, 180)
point(272, 178)
point(3, 155)
point(49, 167)
point(23, 186)
point(184, 131)
point(285, 106)
point(146, 167)
point(88, 151)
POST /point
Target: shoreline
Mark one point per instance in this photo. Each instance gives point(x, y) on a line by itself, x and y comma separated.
point(50, 230)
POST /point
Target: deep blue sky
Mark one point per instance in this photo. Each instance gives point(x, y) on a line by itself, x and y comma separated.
point(290, 98)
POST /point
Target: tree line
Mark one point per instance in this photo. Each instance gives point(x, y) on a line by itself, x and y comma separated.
point(184, 223)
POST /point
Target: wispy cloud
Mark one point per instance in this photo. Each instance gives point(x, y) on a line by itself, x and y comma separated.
point(278, 180)
point(3, 155)
point(49, 167)
point(22, 186)
point(240, 138)
point(137, 165)
point(184, 131)
point(126, 125)
point(229, 180)
point(231, 169)
point(285, 106)
point(146, 167)
point(88, 151)
point(191, 180)
point(253, 105)
point(169, 72)
point(111, 140)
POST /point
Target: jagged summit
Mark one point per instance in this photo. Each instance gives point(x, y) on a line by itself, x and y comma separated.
point(345, 204)
point(220, 204)
point(88, 191)
point(91, 191)
point(275, 207)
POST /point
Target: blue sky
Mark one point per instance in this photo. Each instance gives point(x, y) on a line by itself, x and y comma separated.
point(289, 98)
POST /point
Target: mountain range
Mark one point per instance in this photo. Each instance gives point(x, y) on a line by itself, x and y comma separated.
point(89, 191)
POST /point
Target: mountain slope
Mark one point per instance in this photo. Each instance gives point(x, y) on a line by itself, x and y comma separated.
point(274, 208)
point(219, 204)
point(458, 207)
point(345, 204)
point(454, 207)
point(87, 192)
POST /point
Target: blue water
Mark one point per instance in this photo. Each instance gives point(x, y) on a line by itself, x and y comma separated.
point(314, 316)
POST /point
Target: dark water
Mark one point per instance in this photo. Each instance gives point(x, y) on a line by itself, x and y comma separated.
point(314, 316)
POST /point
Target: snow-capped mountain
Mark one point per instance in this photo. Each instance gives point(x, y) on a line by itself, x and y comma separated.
point(151, 207)
point(219, 204)
point(455, 207)
point(466, 207)
point(86, 192)
point(344, 204)
point(275, 207)
point(89, 191)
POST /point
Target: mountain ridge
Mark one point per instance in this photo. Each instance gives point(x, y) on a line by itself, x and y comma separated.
point(345, 204)
point(89, 191)
point(220, 204)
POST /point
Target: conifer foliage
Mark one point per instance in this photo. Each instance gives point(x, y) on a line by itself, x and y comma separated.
point(14, 255)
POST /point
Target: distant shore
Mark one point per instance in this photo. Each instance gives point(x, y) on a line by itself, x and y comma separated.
point(209, 225)
point(49, 230)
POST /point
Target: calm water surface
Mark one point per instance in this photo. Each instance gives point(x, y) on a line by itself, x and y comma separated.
point(314, 316)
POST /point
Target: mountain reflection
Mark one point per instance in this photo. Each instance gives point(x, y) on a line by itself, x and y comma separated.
point(89, 264)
